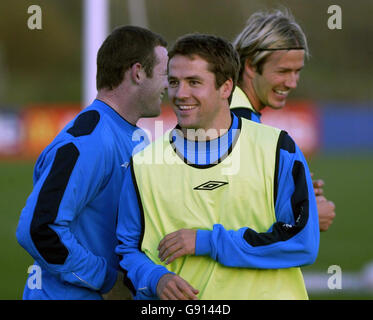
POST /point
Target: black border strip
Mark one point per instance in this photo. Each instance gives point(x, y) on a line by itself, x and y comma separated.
point(277, 163)
point(300, 204)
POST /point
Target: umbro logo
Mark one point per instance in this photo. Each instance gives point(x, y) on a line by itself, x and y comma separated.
point(210, 185)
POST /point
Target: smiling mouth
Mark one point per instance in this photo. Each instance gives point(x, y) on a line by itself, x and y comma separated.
point(283, 93)
point(186, 108)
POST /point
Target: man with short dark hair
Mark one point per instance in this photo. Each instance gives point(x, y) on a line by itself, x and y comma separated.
point(219, 207)
point(69, 221)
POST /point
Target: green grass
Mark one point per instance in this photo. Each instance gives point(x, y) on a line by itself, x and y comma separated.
point(16, 184)
point(348, 184)
point(347, 243)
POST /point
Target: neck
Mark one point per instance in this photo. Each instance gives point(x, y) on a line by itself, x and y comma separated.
point(120, 103)
point(246, 85)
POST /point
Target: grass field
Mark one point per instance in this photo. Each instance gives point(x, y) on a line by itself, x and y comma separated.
point(16, 183)
point(348, 243)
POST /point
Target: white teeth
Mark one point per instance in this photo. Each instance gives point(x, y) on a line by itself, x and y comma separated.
point(186, 107)
point(281, 92)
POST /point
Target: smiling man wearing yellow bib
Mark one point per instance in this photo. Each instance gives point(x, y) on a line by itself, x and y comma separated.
point(230, 211)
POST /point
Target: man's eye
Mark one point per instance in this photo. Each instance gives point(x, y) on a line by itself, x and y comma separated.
point(172, 83)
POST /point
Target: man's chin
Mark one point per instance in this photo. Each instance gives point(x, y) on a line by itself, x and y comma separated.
point(277, 106)
point(153, 114)
point(186, 124)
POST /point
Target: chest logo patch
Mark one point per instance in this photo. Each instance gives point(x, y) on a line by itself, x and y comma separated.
point(210, 185)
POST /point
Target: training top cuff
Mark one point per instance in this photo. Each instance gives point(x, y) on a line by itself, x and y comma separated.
point(155, 276)
point(203, 244)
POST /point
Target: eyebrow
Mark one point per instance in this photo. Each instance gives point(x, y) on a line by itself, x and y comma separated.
point(288, 69)
point(194, 77)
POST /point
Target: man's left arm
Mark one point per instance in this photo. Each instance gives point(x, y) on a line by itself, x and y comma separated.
point(291, 241)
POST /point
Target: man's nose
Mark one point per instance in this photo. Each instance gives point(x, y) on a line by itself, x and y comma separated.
point(182, 91)
point(292, 80)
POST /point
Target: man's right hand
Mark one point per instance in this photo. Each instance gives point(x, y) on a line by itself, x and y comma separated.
point(173, 287)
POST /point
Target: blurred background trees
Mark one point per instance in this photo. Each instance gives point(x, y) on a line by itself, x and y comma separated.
point(46, 65)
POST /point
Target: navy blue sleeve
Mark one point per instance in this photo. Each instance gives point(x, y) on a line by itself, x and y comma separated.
point(292, 241)
point(141, 271)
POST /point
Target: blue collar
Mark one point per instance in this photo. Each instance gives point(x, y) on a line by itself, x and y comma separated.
point(205, 153)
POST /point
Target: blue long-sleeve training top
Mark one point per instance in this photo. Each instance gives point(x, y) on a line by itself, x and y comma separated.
point(287, 243)
point(68, 223)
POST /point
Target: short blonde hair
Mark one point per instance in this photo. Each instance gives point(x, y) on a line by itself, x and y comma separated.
point(265, 32)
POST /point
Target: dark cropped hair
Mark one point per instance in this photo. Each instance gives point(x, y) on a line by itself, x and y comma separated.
point(222, 58)
point(124, 47)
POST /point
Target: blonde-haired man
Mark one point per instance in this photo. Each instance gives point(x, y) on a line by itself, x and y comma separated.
point(272, 49)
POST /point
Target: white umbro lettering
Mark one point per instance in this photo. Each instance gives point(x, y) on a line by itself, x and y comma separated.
point(286, 225)
point(124, 165)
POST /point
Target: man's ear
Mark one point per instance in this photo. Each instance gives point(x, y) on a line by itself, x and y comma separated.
point(226, 89)
point(250, 70)
point(137, 73)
